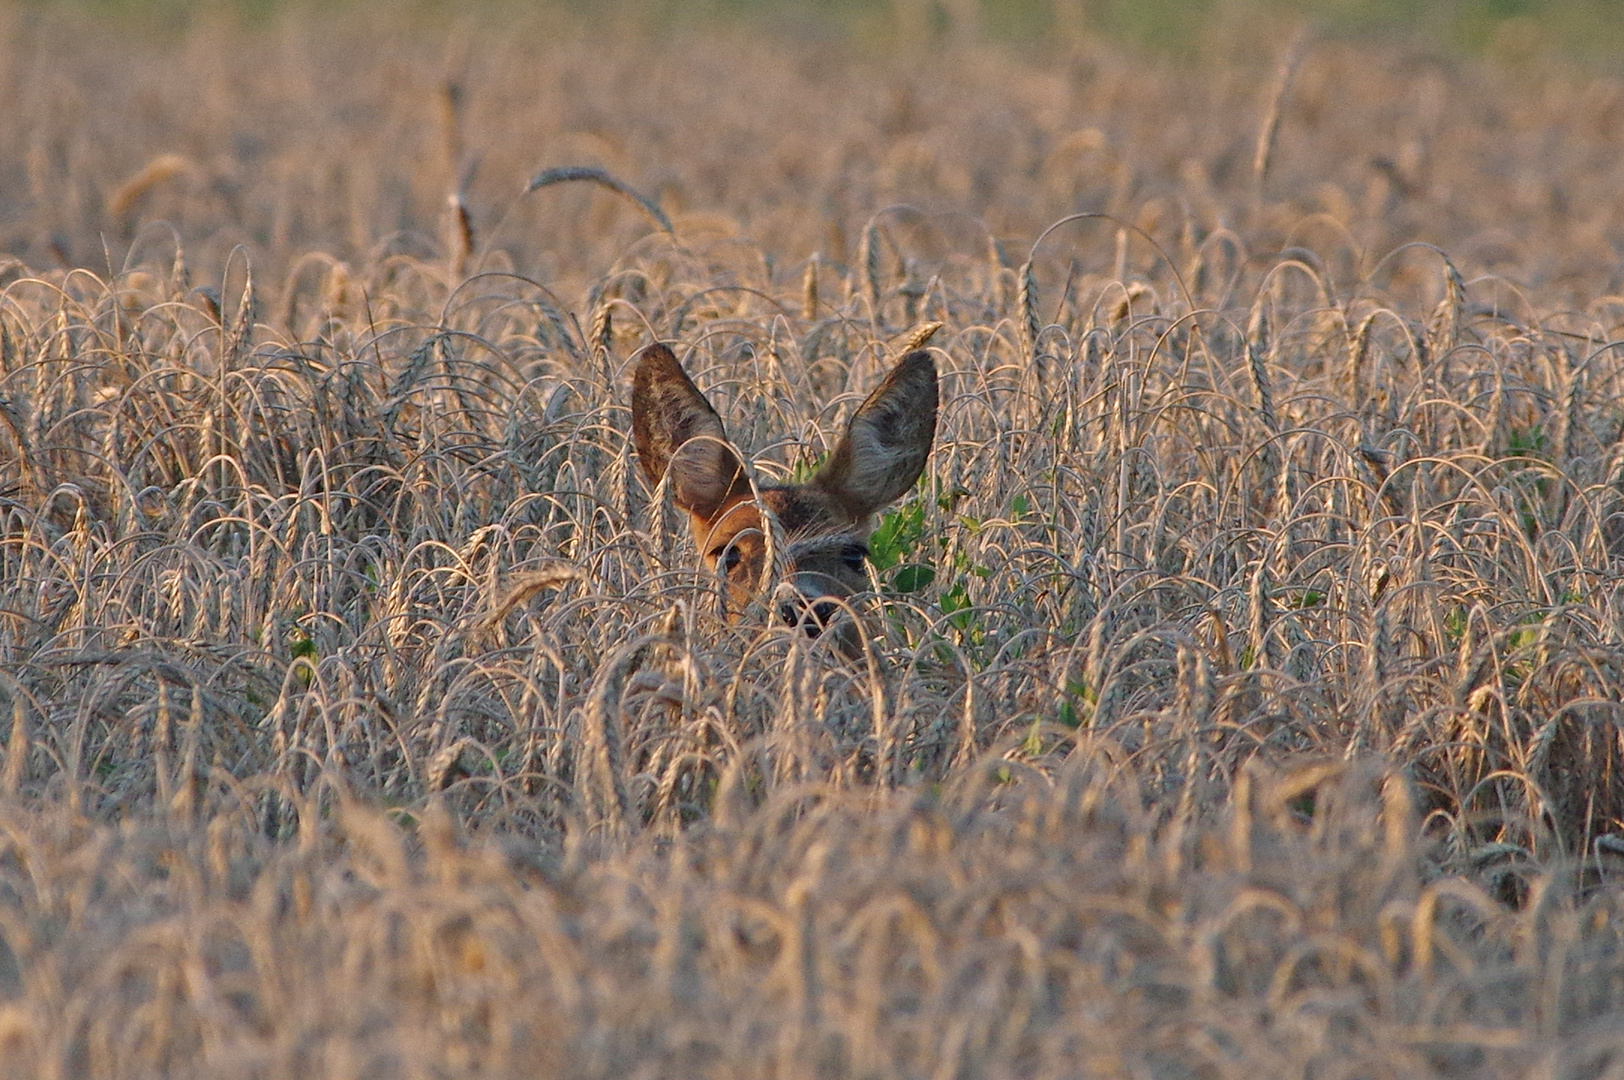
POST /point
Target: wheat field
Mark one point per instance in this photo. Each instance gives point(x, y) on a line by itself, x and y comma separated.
point(1240, 692)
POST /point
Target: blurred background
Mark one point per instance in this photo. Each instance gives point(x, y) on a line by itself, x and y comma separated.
point(285, 127)
point(1580, 31)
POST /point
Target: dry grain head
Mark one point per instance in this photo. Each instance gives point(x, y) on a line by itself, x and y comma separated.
point(825, 522)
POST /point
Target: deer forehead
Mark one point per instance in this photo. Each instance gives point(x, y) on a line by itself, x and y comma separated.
point(811, 519)
point(808, 510)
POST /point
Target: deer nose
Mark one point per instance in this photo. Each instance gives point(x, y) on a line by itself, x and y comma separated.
point(795, 613)
point(814, 618)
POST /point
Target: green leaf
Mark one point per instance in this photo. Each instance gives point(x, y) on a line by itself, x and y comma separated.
point(897, 535)
point(912, 577)
point(956, 604)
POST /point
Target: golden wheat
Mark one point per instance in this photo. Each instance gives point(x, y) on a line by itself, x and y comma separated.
point(1243, 689)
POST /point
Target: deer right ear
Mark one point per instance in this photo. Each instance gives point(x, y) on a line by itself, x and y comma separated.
point(885, 445)
point(677, 432)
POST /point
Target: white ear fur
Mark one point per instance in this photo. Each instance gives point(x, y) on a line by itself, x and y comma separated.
point(703, 472)
point(889, 437)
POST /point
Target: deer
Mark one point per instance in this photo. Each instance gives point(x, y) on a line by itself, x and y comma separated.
point(825, 522)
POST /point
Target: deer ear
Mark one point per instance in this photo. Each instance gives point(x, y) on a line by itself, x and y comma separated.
point(885, 445)
point(677, 432)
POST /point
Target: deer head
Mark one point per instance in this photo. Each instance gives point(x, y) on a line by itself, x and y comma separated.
point(825, 521)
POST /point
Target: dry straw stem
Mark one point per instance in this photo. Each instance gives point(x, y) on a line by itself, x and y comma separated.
point(919, 337)
point(1251, 660)
point(460, 227)
point(1027, 300)
point(568, 173)
point(809, 290)
point(1269, 130)
point(868, 256)
point(160, 169)
point(875, 929)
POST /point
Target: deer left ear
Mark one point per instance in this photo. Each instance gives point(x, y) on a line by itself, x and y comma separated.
point(886, 444)
point(676, 431)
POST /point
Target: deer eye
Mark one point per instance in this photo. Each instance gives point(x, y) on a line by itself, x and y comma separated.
point(853, 556)
point(727, 557)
